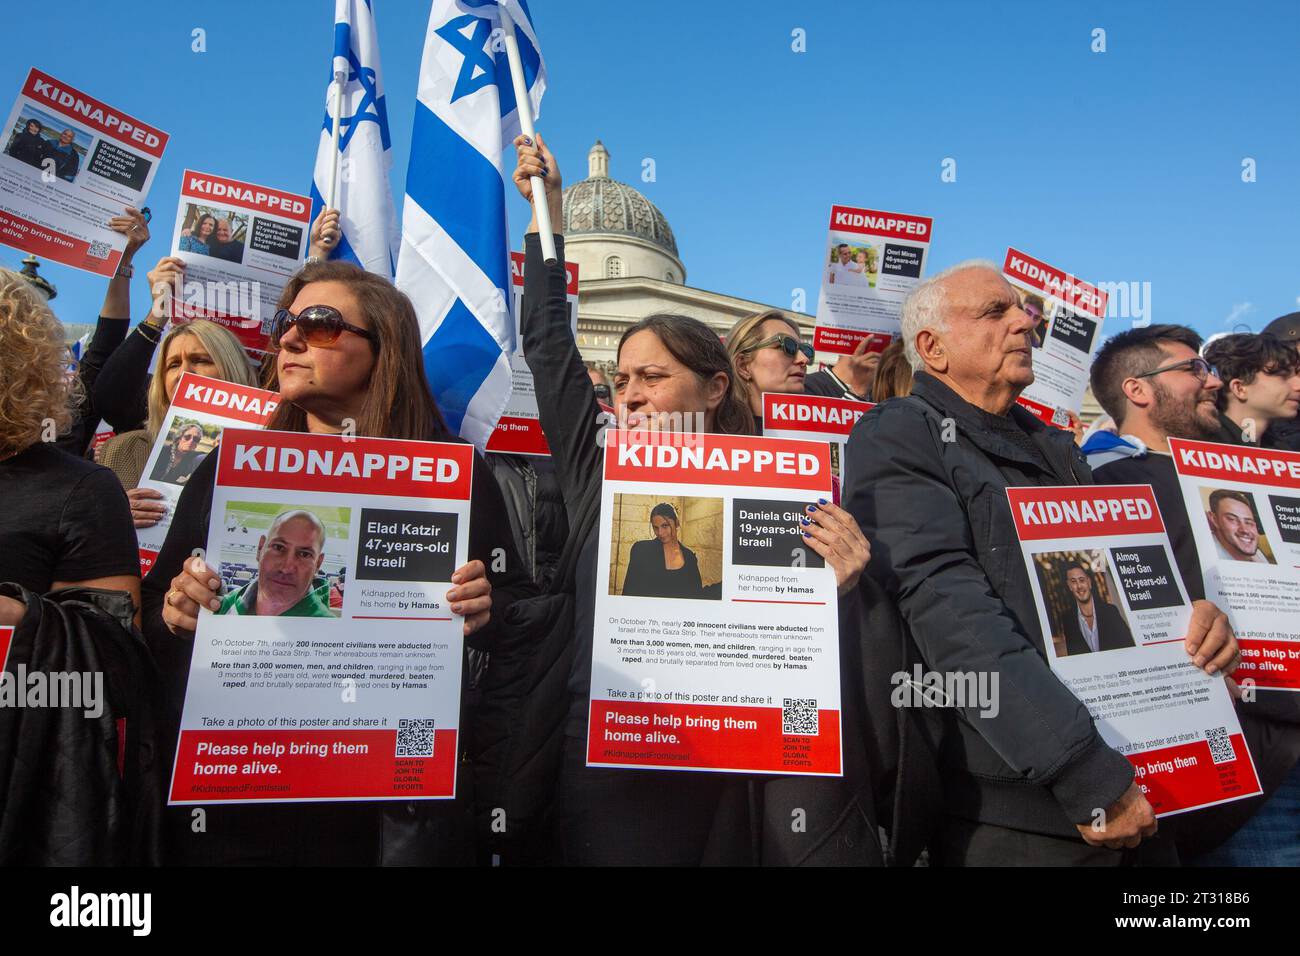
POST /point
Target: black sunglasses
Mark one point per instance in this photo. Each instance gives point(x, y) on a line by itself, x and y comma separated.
point(317, 324)
point(786, 343)
point(602, 392)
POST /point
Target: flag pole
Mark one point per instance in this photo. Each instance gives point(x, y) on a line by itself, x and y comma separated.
point(340, 81)
point(525, 107)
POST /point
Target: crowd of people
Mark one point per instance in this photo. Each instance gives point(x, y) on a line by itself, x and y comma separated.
point(921, 543)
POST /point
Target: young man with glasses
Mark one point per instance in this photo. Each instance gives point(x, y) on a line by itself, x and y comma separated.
point(1155, 385)
point(1261, 385)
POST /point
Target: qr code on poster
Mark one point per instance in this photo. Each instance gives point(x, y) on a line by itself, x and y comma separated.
point(1061, 418)
point(1220, 745)
point(414, 737)
point(98, 250)
point(799, 717)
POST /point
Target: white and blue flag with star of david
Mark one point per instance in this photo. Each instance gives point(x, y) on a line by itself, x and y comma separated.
point(365, 198)
point(454, 261)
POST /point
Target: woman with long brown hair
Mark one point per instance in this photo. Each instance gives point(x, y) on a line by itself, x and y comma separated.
point(673, 374)
point(347, 356)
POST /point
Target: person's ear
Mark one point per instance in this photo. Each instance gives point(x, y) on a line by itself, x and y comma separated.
point(1237, 389)
point(932, 352)
point(716, 390)
point(1138, 392)
point(742, 362)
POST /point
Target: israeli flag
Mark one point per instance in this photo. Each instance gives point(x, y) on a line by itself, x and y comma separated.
point(454, 261)
point(365, 198)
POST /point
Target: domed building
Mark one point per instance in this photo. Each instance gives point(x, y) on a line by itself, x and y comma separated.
point(629, 266)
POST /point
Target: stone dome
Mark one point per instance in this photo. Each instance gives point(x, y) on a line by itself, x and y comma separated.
point(599, 205)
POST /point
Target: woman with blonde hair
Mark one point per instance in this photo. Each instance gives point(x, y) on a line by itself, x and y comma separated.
point(201, 347)
point(65, 521)
point(767, 355)
point(77, 791)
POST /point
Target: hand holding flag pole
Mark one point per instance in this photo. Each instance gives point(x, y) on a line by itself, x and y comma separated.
point(340, 81)
point(525, 107)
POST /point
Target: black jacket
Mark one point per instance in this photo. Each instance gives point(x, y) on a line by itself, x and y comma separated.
point(1283, 434)
point(537, 516)
point(109, 334)
point(827, 383)
point(30, 148)
point(928, 475)
point(1112, 632)
point(121, 392)
point(648, 577)
point(78, 790)
point(439, 832)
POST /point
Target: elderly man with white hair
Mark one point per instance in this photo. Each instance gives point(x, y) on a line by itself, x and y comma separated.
point(1027, 780)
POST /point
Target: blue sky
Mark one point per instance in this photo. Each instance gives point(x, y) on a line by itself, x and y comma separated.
point(1122, 166)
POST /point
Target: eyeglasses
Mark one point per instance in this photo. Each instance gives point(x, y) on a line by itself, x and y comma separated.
point(786, 343)
point(318, 325)
point(602, 392)
point(1197, 366)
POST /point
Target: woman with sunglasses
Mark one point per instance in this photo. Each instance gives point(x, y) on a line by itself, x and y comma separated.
point(672, 374)
point(768, 356)
point(347, 354)
point(182, 457)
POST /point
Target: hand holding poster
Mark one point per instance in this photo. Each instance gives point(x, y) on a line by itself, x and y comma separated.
point(872, 261)
point(814, 418)
point(716, 644)
point(332, 670)
point(1244, 507)
point(1114, 615)
point(241, 243)
point(1069, 314)
point(518, 431)
point(201, 408)
point(69, 164)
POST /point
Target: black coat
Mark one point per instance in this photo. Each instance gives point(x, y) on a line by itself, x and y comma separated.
point(109, 334)
point(78, 790)
point(30, 148)
point(536, 506)
point(647, 576)
point(1112, 632)
point(928, 475)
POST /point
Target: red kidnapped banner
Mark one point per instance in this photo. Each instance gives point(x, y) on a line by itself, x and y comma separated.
point(57, 246)
point(281, 765)
point(97, 115)
point(518, 436)
point(1175, 778)
point(1071, 511)
point(1236, 463)
point(219, 191)
point(892, 225)
point(655, 734)
point(740, 460)
point(1052, 281)
point(517, 273)
point(812, 413)
point(198, 394)
point(346, 465)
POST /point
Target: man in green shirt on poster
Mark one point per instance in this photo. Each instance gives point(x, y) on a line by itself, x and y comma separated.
point(288, 582)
